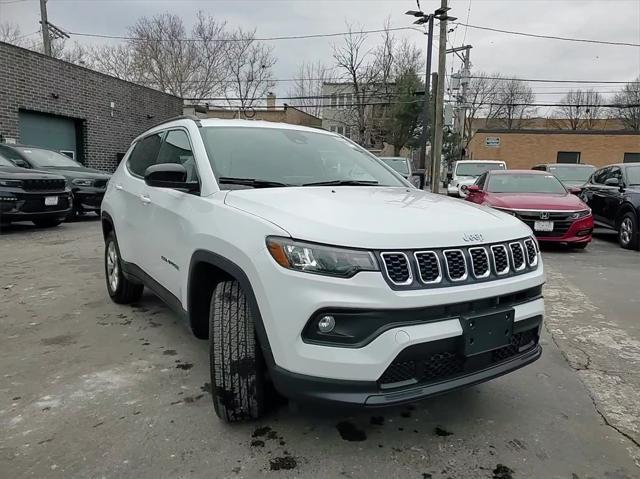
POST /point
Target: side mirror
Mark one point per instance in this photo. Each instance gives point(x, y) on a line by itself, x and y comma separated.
point(169, 175)
point(612, 182)
point(472, 189)
point(574, 190)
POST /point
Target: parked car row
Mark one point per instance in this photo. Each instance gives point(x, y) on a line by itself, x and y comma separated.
point(561, 202)
point(25, 195)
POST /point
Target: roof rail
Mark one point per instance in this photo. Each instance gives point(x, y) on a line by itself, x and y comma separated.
point(181, 117)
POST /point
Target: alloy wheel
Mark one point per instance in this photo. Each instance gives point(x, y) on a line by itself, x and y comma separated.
point(113, 268)
point(626, 230)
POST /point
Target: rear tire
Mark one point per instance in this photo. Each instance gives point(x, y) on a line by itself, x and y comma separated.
point(47, 222)
point(237, 366)
point(121, 290)
point(628, 231)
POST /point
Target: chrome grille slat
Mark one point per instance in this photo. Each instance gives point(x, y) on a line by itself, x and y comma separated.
point(429, 270)
point(500, 259)
point(396, 264)
point(456, 264)
point(479, 262)
point(517, 256)
point(532, 253)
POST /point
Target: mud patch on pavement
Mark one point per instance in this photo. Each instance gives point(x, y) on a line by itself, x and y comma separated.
point(206, 387)
point(61, 340)
point(282, 463)
point(349, 432)
point(257, 443)
point(261, 431)
point(502, 472)
point(442, 432)
point(169, 352)
point(185, 366)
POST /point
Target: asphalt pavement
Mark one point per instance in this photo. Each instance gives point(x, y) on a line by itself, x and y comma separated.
point(93, 389)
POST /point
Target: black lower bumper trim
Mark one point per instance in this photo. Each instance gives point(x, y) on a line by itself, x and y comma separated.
point(368, 393)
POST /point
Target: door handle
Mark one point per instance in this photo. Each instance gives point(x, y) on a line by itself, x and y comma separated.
point(119, 187)
point(145, 199)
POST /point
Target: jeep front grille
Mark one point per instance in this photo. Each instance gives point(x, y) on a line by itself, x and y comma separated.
point(397, 267)
point(439, 267)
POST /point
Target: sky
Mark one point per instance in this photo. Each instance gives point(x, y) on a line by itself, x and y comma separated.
point(609, 20)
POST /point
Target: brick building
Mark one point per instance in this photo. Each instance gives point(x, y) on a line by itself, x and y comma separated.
point(279, 114)
point(526, 148)
point(87, 115)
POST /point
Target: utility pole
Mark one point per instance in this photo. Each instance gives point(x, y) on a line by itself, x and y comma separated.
point(427, 102)
point(436, 149)
point(46, 37)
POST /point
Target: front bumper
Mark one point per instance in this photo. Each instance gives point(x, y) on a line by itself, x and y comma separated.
point(579, 231)
point(288, 299)
point(88, 198)
point(27, 206)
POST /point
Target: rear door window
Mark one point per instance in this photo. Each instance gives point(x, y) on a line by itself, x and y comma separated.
point(145, 154)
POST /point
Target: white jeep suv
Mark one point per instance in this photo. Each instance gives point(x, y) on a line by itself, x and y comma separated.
point(315, 269)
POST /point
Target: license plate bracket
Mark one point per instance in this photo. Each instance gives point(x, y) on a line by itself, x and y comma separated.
point(486, 332)
point(543, 226)
point(50, 200)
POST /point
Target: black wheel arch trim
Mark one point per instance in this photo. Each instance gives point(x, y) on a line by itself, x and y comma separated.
point(236, 272)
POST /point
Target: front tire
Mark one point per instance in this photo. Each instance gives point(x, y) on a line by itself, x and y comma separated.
point(47, 222)
point(628, 231)
point(121, 290)
point(237, 367)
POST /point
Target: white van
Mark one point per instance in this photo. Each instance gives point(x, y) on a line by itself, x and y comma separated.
point(465, 173)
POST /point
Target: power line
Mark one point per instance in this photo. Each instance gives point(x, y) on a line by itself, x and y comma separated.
point(549, 37)
point(540, 80)
point(261, 39)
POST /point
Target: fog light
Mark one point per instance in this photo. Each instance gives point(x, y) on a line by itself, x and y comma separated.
point(326, 324)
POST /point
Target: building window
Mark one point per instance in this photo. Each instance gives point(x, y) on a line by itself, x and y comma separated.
point(332, 129)
point(568, 157)
point(347, 132)
point(340, 130)
point(631, 158)
point(334, 99)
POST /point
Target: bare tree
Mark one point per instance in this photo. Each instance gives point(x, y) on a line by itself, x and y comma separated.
point(11, 33)
point(354, 60)
point(249, 66)
point(308, 84)
point(165, 59)
point(481, 92)
point(627, 105)
point(512, 103)
point(115, 60)
point(579, 109)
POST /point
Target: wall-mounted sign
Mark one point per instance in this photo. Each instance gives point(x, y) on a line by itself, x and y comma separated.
point(492, 141)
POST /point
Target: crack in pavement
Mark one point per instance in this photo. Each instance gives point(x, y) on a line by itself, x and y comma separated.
point(609, 388)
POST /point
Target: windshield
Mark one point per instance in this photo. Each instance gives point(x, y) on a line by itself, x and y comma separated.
point(572, 172)
point(5, 162)
point(398, 164)
point(633, 175)
point(525, 183)
point(47, 158)
point(285, 157)
point(475, 169)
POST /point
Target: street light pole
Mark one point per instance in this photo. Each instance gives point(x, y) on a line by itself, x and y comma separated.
point(427, 101)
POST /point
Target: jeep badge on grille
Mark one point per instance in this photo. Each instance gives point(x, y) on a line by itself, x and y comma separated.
point(468, 237)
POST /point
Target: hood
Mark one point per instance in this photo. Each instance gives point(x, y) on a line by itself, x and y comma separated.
point(16, 173)
point(375, 217)
point(79, 172)
point(537, 201)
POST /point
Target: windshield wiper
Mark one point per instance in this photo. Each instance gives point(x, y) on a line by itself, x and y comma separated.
point(343, 183)
point(249, 182)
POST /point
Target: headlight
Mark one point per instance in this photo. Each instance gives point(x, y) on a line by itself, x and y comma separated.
point(320, 259)
point(10, 183)
point(580, 214)
point(82, 182)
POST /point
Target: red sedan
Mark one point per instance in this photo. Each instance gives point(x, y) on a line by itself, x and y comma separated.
point(538, 198)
